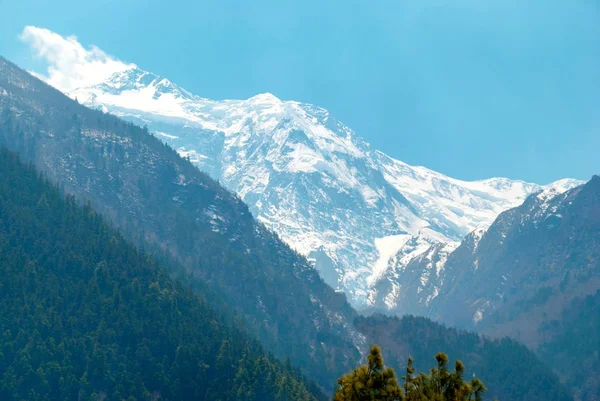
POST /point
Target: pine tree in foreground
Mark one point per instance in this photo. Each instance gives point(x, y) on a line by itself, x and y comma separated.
point(376, 382)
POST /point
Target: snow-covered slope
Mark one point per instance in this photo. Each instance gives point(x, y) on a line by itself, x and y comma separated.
point(352, 209)
point(552, 235)
point(416, 275)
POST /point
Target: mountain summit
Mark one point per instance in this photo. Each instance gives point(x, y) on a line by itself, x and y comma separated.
point(325, 191)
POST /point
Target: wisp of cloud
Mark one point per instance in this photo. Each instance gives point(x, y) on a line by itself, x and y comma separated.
point(70, 65)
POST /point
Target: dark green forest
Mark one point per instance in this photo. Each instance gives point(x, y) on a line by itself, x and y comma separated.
point(85, 316)
point(573, 345)
point(498, 363)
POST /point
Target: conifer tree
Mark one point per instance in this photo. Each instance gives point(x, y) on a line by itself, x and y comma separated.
point(369, 382)
point(375, 382)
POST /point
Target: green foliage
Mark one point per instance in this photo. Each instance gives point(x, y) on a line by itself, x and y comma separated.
point(441, 384)
point(85, 316)
point(369, 382)
point(375, 382)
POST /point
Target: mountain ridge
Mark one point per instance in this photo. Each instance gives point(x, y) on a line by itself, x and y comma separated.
point(164, 204)
point(414, 275)
point(308, 177)
point(156, 197)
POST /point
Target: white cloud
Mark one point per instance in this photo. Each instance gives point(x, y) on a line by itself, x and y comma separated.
point(70, 65)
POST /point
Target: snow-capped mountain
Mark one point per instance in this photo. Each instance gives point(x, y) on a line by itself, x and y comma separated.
point(356, 212)
point(544, 252)
point(417, 274)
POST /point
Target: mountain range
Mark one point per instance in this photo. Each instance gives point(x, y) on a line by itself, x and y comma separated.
point(533, 275)
point(209, 242)
point(500, 256)
point(356, 213)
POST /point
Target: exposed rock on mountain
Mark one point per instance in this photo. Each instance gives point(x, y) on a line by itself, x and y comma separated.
point(308, 177)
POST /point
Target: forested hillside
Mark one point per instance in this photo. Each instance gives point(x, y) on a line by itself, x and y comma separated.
point(154, 196)
point(572, 346)
point(85, 316)
point(509, 370)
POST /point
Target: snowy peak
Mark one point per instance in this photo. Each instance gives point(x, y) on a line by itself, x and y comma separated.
point(265, 98)
point(564, 185)
point(456, 207)
point(555, 189)
point(136, 79)
point(353, 210)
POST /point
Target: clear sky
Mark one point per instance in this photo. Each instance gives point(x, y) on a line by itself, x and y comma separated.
point(470, 88)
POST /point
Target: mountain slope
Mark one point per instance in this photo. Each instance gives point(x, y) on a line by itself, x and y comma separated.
point(154, 196)
point(571, 343)
point(167, 206)
point(551, 242)
point(85, 316)
point(414, 278)
point(308, 177)
point(534, 275)
point(410, 285)
point(509, 370)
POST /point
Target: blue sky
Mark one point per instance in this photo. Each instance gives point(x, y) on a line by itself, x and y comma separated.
point(470, 88)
